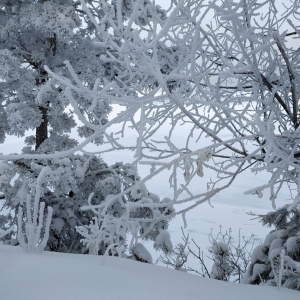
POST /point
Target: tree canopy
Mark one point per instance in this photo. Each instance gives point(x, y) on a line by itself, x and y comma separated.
point(227, 69)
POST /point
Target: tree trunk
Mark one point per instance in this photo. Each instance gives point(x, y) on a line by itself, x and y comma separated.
point(41, 132)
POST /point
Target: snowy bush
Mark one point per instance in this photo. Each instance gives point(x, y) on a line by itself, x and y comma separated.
point(138, 213)
point(153, 214)
point(222, 267)
point(64, 188)
point(163, 242)
point(277, 261)
point(104, 236)
point(230, 256)
point(140, 253)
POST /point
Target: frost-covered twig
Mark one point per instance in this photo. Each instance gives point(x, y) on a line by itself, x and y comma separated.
point(230, 256)
point(30, 234)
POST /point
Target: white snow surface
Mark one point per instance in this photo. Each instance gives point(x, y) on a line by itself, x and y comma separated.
point(48, 276)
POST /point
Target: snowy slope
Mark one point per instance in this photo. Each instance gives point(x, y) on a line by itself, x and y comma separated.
point(49, 276)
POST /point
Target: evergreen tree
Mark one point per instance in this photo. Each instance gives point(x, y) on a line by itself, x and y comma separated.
point(34, 34)
point(57, 34)
point(277, 260)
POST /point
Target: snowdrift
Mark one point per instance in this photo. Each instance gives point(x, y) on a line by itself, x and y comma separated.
point(49, 276)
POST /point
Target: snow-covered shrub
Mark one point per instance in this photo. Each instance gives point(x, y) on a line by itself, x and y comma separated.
point(140, 253)
point(64, 188)
point(222, 268)
point(137, 212)
point(276, 262)
point(163, 242)
point(87, 174)
point(106, 233)
point(177, 259)
point(153, 214)
point(104, 236)
point(230, 256)
point(104, 183)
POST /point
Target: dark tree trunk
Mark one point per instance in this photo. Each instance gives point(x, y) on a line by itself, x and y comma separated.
point(41, 132)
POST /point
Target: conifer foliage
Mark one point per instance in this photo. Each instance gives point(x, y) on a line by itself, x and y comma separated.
point(37, 36)
point(277, 261)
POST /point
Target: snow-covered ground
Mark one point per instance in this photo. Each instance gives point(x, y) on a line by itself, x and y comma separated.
point(49, 276)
